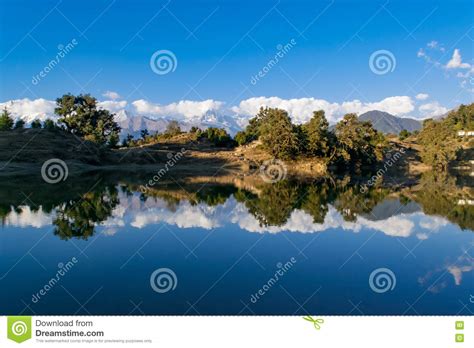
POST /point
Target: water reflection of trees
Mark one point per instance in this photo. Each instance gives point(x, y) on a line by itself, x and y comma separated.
point(274, 205)
point(439, 195)
point(77, 218)
point(77, 209)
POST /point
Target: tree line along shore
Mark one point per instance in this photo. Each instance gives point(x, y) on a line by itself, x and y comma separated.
point(350, 143)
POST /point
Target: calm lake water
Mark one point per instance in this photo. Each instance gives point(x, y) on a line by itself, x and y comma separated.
point(98, 245)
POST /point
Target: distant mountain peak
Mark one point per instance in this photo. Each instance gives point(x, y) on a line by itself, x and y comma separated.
point(388, 123)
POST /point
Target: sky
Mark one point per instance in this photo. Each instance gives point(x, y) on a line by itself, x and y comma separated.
point(184, 58)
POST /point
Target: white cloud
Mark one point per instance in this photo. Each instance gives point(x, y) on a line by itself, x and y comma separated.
point(111, 95)
point(422, 96)
point(28, 110)
point(454, 64)
point(457, 271)
point(23, 216)
point(215, 112)
point(181, 109)
point(432, 109)
point(456, 61)
point(301, 110)
point(112, 105)
point(432, 44)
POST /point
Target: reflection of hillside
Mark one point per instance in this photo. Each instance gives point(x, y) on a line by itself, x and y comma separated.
point(438, 195)
point(391, 206)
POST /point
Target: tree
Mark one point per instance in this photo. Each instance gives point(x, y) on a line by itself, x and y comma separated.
point(19, 124)
point(217, 136)
point(317, 134)
point(144, 133)
point(49, 124)
point(241, 138)
point(6, 121)
point(127, 141)
point(173, 128)
point(36, 124)
point(277, 134)
point(439, 138)
point(359, 142)
point(81, 117)
point(404, 134)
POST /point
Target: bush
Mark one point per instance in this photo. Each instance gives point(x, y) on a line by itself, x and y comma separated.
point(217, 136)
point(36, 124)
point(49, 124)
point(19, 124)
point(404, 134)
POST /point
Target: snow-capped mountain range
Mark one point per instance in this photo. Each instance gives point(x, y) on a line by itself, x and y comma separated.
point(131, 121)
point(142, 114)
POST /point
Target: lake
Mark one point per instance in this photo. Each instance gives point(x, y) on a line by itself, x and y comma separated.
point(100, 244)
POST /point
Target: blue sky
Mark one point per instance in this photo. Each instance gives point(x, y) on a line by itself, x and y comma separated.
point(220, 45)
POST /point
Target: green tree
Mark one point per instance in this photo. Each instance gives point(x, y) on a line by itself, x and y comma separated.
point(278, 134)
point(252, 131)
point(317, 134)
point(404, 134)
point(6, 121)
point(49, 124)
point(19, 124)
point(36, 124)
point(241, 138)
point(440, 141)
point(81, 117)
point(358, 142)
point(217, 136)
